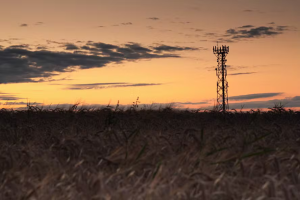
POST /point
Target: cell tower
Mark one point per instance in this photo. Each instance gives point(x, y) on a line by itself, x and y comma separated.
point(221, 72)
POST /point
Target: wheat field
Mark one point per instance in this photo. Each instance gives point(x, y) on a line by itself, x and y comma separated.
point(109, 153)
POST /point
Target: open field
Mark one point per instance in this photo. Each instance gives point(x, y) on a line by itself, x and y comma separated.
point(164, 154)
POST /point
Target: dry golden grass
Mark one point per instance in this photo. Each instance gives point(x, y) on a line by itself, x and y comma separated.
point(147, 154)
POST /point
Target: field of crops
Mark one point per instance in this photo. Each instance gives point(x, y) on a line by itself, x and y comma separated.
point(91, 154)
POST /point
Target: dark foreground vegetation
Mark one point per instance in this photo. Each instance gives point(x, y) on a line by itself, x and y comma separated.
point(86, 154)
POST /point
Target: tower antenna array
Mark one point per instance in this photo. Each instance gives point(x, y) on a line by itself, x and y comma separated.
point(221, 72)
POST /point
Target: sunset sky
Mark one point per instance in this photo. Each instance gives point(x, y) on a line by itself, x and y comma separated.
point(101, 51)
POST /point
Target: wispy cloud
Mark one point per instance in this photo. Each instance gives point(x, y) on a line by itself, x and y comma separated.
point(180, 22)
point(153, 18)
point(242, 73)
point(8, 97)
point(39, 23)
point(248, 10)
point(229, 68)
point(293, 102)
point(192, 103)
point(127, 23)
point(236, 67)
point(108, 85)
point(253, 96)
point(19, 103)
point(252, 11)
point(287, 102)
point(162, 48)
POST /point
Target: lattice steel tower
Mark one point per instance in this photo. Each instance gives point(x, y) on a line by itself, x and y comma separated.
point(221, 72)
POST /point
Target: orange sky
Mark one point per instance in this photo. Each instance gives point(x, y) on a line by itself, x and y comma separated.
point(263, 58)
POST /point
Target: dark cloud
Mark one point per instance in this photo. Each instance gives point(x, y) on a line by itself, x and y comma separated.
point(153, 18)
point(39, 23)
point(24, 25)
point(131, 50)
point(71, 47)
point(41, 48)
point(242, 73)
point(101, 48)
point(250, 32)
point(108, 85)
point(101, 45)
point(24, 65)
point(246, 26)
point(253, 96)
point(296, 98)
point(138, 48)
point(20, 46)
point(248, 10)
point(257, 32)
point(232, 31)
